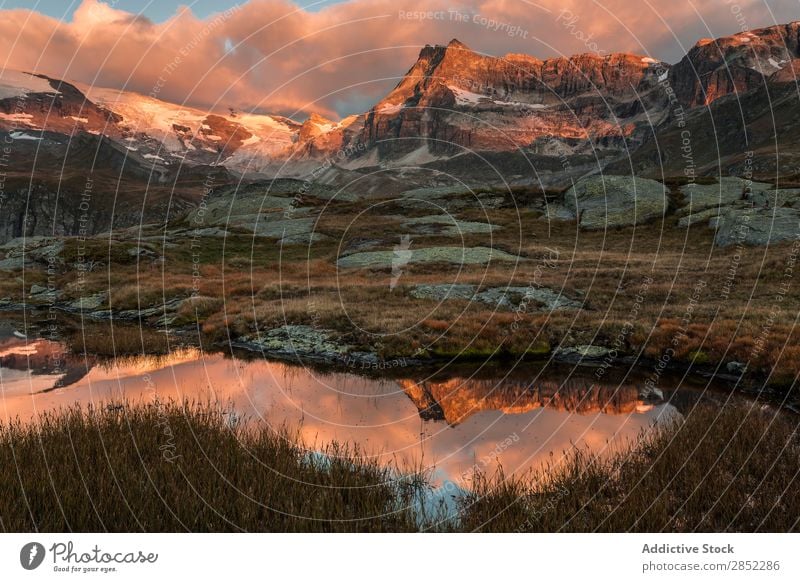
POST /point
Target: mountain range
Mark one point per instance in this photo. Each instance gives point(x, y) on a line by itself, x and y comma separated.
point(729, 107)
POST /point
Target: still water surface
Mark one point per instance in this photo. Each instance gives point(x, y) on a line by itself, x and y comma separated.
point(449, 423)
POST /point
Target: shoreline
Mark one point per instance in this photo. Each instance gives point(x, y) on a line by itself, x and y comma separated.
point(370, 364)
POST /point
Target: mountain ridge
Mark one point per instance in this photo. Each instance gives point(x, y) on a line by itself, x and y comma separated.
point(451, 101)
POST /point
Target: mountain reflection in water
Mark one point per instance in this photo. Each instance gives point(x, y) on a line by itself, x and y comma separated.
point(452, 424)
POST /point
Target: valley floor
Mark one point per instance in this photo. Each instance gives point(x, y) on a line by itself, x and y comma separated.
point(494, 280)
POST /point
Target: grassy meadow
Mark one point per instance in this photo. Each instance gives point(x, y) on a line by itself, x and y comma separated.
point(167, 467)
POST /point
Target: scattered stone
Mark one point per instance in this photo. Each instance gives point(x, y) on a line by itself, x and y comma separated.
point(501, 297)
point(25, 252)
point(519, 297)
point(304, 239)
point(435, 192)
point(447, 226)
point(88, 303)
point(581, 354)
point(453, 255)
point(444, 291)
point(211, 232)
point(450, 197)
point(553, 211)
point(737, 368)
point(167, 307)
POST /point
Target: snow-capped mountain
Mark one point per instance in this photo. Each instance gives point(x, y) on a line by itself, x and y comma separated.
point(451, 102)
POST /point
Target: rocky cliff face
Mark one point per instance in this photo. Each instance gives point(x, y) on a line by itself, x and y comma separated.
point(735, 64)
point(453, 100)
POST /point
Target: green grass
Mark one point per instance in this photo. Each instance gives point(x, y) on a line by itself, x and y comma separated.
point(167, 467)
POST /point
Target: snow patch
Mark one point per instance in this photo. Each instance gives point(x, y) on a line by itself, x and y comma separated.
point(521, 104)
point(389, 109)
point(152, 157)
point(252, 140)
point(79, 119)
point(325, 127)
point(464, 97)
point(777, 64)
point(23, 136)
point(649, 61)
point(19, 84)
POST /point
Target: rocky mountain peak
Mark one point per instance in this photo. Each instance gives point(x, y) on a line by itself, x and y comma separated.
point(457, 44)
point(735, 64)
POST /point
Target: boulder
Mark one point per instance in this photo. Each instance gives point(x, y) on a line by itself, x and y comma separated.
point(500, 297)
point(702, 216)
point(444, 291)
point(600, 202)
point(576, 354)
point(729, 190)
point(453, 255)
point(447, 226)
point(300, 340)
point(88, 303)
point(757, 226)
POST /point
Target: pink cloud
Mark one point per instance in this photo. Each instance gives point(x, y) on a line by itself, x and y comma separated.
point(344, 58)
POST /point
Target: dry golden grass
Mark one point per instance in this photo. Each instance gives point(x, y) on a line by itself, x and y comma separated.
point(265, 287)
point(734, 469)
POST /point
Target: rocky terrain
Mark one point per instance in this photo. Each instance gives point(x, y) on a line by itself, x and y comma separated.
point(487, 207)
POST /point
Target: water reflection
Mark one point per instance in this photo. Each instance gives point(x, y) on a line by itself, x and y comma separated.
point(451, 424)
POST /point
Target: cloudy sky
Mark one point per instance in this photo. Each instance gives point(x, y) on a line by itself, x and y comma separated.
point(333, 57)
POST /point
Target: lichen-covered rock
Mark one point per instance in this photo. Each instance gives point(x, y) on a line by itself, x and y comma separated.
point(728, 191)
point(447, 226)
point(757, 226)
point(581, 353)
point(698, 217)
point(300, 340)
point(88, 303)
point(499, 297)
point(453, 255)
point(599, 202)
point(444, 291)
